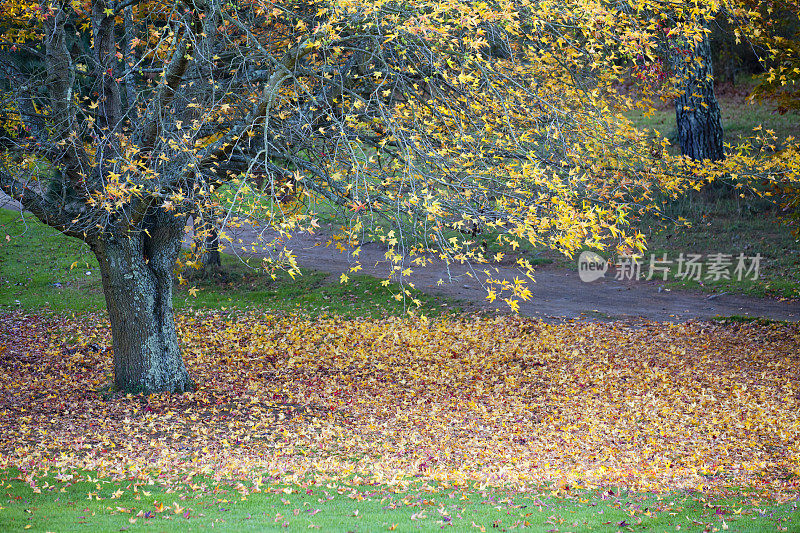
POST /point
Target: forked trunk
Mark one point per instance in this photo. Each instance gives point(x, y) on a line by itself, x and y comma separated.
point(137, 283)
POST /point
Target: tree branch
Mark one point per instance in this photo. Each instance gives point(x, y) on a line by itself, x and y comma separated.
point(173, 76)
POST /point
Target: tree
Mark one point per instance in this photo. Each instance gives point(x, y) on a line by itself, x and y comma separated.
point(774, 28)
point(420, 123)
point(206, 241)
point(697, 111)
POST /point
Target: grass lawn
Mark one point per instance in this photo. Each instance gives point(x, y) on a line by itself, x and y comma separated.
point(739, 116)
point(724, 229)
point(87, 502)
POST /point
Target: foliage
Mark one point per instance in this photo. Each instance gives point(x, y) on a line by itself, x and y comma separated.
point(321, 91)
point(413, 131)
point(776, 29)
point(454, 403)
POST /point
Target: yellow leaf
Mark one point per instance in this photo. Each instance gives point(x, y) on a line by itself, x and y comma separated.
point(513, 304)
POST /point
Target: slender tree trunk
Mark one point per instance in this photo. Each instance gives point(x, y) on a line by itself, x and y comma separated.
point(137, 282)
point(696, 109)
point(211, 258)
point(206, 241)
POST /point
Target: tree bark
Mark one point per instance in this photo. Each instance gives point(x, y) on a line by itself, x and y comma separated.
point(137, 282)
point(696, 108)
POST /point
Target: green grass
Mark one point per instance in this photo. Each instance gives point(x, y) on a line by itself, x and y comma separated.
point(743, 319)
point(312, 294)
point(40, 267)
point(37, 272)
point(739, 116)
point(89, 503)
point(729, 227)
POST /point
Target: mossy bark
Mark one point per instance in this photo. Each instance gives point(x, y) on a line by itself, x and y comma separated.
point(137, 282)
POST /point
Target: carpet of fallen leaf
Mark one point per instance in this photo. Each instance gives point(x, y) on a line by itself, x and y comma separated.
point(451, 402)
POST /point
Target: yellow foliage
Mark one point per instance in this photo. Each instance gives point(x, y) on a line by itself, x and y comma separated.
point(495, 402)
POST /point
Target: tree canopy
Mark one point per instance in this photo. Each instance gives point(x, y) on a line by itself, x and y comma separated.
point(418, 123)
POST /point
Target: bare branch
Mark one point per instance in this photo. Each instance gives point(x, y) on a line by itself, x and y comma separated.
point(173, 76)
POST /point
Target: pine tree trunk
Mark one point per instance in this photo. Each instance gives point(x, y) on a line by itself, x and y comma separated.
point(137, 283)
point(696, 109)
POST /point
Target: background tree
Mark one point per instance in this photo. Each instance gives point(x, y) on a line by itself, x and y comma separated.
point(734, 59)
point(418, 124)
point(697, 112)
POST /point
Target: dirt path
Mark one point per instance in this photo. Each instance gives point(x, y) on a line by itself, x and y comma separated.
point(558, 294)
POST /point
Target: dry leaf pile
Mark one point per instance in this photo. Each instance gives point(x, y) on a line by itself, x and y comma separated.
point(454, 403)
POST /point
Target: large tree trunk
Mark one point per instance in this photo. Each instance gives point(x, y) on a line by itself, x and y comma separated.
point(696, 108)
point(137, 282)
